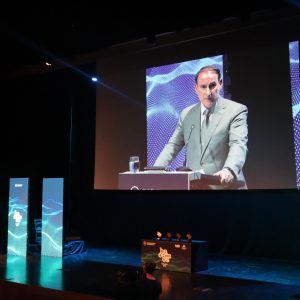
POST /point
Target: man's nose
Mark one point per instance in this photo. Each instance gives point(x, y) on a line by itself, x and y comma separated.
point(208, 90)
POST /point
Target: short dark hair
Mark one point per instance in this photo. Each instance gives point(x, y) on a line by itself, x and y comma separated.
point(149, 267)
point(211, 68)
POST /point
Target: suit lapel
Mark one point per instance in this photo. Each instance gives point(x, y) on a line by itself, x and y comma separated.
point(216, 119)
point(197, 119)
point(195, 113)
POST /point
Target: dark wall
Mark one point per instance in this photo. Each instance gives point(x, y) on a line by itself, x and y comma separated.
point(48, 121)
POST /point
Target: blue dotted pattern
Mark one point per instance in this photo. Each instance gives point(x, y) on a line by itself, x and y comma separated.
point(295, 85)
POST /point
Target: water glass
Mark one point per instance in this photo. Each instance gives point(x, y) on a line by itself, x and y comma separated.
point(134, 164)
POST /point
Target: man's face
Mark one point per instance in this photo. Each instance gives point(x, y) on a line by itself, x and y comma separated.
point(208, 87)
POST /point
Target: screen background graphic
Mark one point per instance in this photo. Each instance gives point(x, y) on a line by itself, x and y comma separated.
point(52, 217)
point(295, 84)
point(170, 89)
point(18, 216)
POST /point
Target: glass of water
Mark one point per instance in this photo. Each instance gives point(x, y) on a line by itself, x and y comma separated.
point(134, 164)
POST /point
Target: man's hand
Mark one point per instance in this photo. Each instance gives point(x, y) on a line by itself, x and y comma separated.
point(226, 177)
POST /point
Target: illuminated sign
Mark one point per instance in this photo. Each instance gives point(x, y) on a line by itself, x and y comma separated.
point(176, 256)
point(52, 217)
point(18, 216)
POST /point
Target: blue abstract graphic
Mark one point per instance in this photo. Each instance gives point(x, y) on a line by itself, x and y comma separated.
point(51, 272)
point(18, 217)
point(16, 268)
point(170, 89)
point(52, 217)
point(295, 86)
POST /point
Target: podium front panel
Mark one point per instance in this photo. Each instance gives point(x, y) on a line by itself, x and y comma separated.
point(175, 256)
point(156, 180)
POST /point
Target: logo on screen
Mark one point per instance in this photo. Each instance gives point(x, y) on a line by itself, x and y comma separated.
point(164, 255)
point(17, 217)
point(134, 188)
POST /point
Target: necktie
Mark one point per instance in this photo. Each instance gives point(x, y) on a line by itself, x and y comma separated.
point(205, 125)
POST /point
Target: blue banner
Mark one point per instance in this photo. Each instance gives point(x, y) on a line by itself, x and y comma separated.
point(52, 217)
point(18, 216)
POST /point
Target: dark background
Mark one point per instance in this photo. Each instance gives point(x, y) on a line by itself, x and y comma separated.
point(48, 130)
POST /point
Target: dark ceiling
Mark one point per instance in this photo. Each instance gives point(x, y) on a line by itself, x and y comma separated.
point(31, 35)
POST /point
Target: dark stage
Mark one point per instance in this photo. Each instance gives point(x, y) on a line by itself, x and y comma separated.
point(60, 123)
point(92, 275)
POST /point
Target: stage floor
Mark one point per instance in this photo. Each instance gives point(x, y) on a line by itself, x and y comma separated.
point(94, 273)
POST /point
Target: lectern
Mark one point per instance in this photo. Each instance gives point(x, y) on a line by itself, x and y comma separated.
point(172, 255)
point(157, 180)
point(166, 180)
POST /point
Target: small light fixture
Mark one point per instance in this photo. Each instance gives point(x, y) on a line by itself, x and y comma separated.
point(169, 235)
point(94, 79)
point(178, 236)
point(188, 237)
point(158, 235)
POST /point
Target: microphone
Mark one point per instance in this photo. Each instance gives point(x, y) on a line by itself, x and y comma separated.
point(192, 128)
point(184, 168)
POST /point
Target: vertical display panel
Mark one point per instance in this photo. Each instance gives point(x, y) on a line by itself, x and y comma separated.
point(16, 269)
point(51, 272)
point(18, 216)
point(52, 217)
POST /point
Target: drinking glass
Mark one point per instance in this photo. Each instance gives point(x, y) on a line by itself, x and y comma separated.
point(134, 164)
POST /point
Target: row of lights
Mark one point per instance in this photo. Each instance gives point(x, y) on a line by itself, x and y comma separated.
point(177, 237)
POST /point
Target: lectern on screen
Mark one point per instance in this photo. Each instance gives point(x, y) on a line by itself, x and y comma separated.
point(179, 180)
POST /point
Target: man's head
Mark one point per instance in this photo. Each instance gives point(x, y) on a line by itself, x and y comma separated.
point(208, 84)
point(149, 267)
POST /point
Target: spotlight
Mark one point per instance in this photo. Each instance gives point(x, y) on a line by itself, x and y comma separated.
point(159, 235)
point(188, 237)
point(169, 235)
point(178, 236)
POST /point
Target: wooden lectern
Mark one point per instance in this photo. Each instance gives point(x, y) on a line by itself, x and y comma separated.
point(166, 180)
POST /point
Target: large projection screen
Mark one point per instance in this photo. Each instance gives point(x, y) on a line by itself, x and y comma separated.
point(144, 90)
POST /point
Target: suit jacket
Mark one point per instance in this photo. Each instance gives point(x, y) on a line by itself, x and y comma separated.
point(225, 144)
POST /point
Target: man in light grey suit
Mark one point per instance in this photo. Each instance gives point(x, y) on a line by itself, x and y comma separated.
point(214, 131)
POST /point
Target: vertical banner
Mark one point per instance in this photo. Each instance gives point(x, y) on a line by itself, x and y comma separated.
point(52, 217)
point(18, 216)
point(16, 269)
point(51, 272)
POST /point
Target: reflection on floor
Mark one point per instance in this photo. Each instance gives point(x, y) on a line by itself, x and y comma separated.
point(94, 273)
